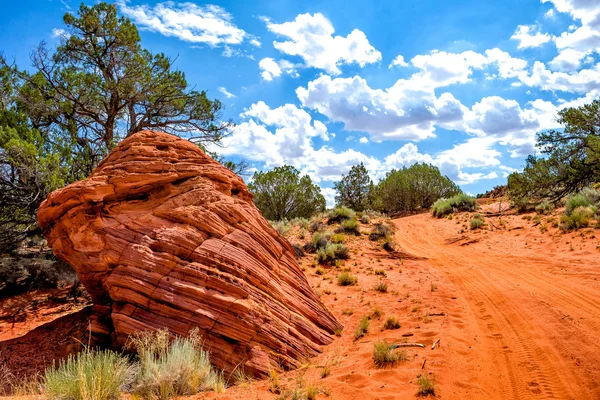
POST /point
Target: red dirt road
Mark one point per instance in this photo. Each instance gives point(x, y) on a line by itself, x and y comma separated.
point(526, 322)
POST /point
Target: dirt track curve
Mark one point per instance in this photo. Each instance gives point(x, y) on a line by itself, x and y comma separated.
point(525, 323)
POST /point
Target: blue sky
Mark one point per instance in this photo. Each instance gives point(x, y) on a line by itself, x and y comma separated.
point(324, 85)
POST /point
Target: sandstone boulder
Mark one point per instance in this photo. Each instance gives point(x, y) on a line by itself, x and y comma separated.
point(162, 235)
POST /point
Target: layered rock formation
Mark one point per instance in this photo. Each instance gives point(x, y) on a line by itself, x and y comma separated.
point(162, 235)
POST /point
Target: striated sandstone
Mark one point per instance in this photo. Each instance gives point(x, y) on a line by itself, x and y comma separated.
point(162, 235)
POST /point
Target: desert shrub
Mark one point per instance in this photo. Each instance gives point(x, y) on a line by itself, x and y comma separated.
point(303, 223)
point(380, 272)
point(363, 328)
point(391, 323)
point(579, 218)
point(545, 207)
point(345, 279)
point(338, 238)
point(365, 219)
point(389, 244)
point(19, 274)
point(173, 367)
point(585, 198)
point(316, 226)
point(298, 251)
point(319, 241)
point(340, 214)
point(332, 252)
point(426, 386)
point(477, 222)
point(381, 287)
point(459, 202)
point(383, 354)
point(380, 231)
point(88, 375)
point(282, 227)
point(351, 226)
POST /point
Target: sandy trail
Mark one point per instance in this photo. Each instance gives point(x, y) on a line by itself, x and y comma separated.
point(527, 322)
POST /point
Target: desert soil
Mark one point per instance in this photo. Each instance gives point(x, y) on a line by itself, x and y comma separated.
point(515, 309)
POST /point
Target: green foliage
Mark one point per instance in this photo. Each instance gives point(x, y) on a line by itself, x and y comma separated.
point(545, 207)
point(79, 100)
point(283, 194)
point(88, 375)
point(282, 227)
point(332, 252)
point(459, 202)
point(384, 354)
point(340, 214)
point(414, 188)
point(169, 368)
point(477, 222)
point(345, 279)
point(584, 198)
point(338, 238)
point(380, 231)
point(363, 328)
point(579, 218)
point(570, 161)
point(351, 226)
point(355, 190)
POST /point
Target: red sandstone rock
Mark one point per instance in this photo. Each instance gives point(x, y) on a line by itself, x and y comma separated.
point(162, 235)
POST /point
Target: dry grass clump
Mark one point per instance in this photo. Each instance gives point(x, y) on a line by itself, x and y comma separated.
point(477, 222)
point(391, 323)
point(426, 386)
point(384, 354)
point(169, 368)
point(380, 231)
point(345, 279)
point(88, 375)
point(381, 287)
point(362, 329)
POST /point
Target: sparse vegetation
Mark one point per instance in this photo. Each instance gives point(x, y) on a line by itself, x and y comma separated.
point(340, 214)
point(380, 231)
point(173, 367)
point(351, 226)
point(88, 375)
point(331, 253)
point(477, 222)
point(362, 329)
point(459, 202)
point(384, 354)
point(345, 279)
point(381, 287)
point(391, 323)
point(426, 386)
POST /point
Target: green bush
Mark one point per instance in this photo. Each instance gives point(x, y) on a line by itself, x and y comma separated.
point(345, 279)
point(338, 238)
point(459, 202)
point(351, 226)
point(169, 368)
point(383, 354)
point(545, 207)
point(332, 252)
point(363, 328)
point(88, 375)
point(585, 198)
point(340, 214)
point(477, 222)
point(282, 227)
point(579, 218)
point(380, 231)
